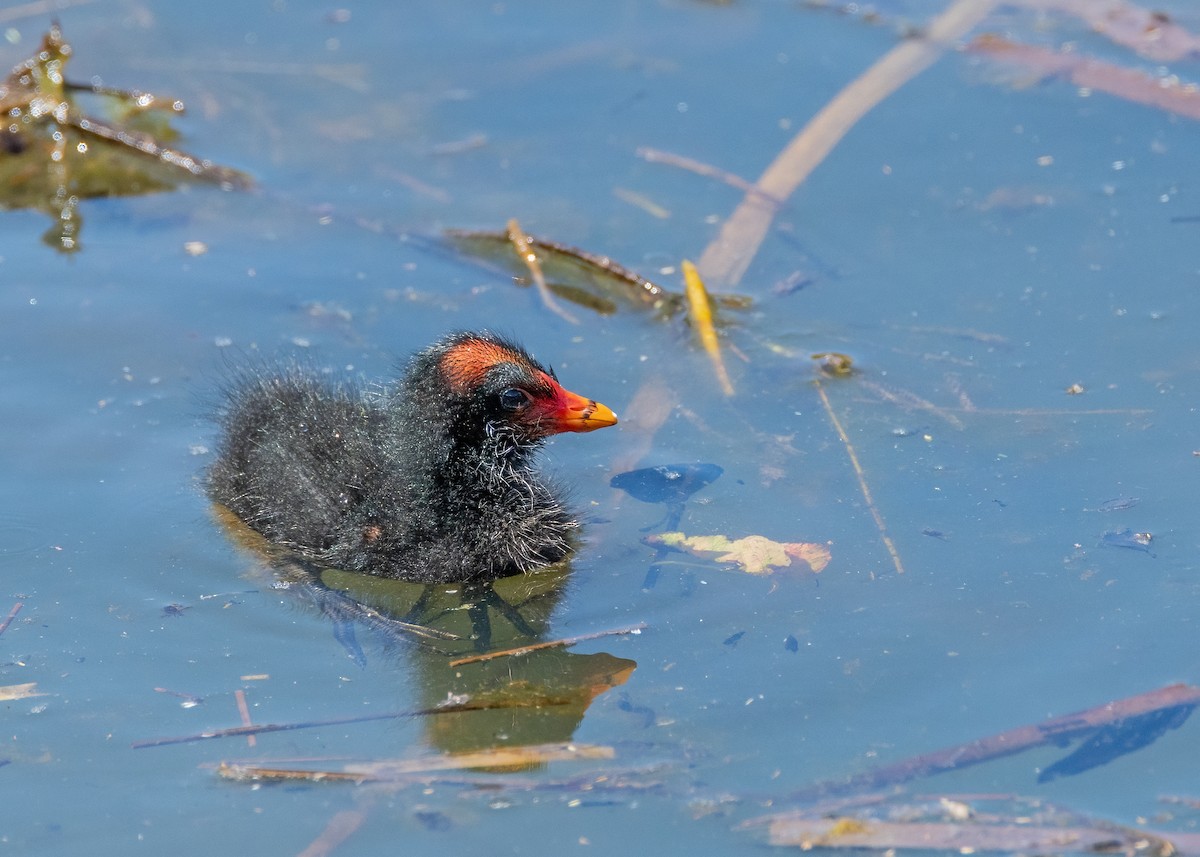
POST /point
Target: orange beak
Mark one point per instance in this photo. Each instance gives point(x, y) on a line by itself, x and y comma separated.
point(575, 413)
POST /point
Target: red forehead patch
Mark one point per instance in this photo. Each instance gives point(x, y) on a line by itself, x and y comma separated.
point(465, 365)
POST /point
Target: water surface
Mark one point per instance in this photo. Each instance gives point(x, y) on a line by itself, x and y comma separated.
point(976, 248)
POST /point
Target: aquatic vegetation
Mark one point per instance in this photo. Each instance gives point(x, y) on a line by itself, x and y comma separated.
point(586, 279)
point(53, 155)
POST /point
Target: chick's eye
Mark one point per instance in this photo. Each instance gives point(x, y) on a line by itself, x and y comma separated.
point(513, 399)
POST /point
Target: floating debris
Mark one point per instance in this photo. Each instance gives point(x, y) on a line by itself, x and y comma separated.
point(589, 280)
point(395, 769)
point(1127, 538)
point(834, 364)
point(701, 316)
point(755, 554)
point(1117, 504)
point(52, 155)
point(1088, 74)
point(13, 692)
point(666, 483)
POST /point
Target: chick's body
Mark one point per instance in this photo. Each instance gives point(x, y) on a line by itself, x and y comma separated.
point(432, 481)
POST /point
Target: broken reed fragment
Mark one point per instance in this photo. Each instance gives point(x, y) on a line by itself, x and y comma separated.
point(657, 156)
point(548, 644)
point(1165, 93)
point(528, 255)
point(700, 314)
point(861, 476)
point(807, 833)
point(390, 770)
point(12, 614)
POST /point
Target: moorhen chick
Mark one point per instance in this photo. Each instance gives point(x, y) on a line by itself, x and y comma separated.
point(432, 481)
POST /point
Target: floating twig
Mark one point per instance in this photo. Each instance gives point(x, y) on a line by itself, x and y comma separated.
point(911, 401)
point(190, 700)
point(548, 644)
point(259, 729)
point(1147, 31)
point(1165, 93)
point(225, 177)
point(12, 614)
point(728, 256)
point(1057, 730)
point(388, 770)
point(524, 248)
point(809, 832)
point(657, 156)
point(861, 477)
point(639, 200)
point(700, 313)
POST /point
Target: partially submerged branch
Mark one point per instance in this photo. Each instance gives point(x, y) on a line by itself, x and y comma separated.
point(726, 258)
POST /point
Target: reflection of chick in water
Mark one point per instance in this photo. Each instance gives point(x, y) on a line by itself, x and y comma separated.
point(536, 698)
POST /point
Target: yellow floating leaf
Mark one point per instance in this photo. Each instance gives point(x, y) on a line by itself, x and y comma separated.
point(755, 554)
point(11, 692)
point(700, 312)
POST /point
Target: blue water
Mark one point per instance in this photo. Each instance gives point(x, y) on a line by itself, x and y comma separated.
point(110, 360)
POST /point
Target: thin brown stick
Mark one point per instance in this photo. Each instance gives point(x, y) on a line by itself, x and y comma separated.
point(657, 156)
point(640, 200)
point(862, 479)
point(259, 729)
point(12, 614)
point(254, 773)
point(910, 401)
point(1150, 33)
point(548, 644)
point(1129, 83)
point(524, 248)
point(1054, 731)
point(392, 770)
point(726, 259)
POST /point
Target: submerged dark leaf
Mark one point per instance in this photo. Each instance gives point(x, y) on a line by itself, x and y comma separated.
point(667, 483)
